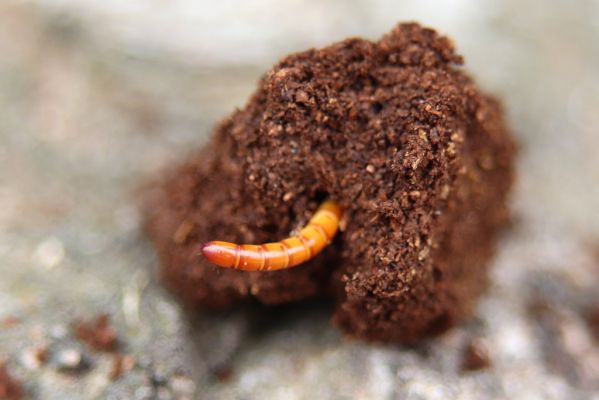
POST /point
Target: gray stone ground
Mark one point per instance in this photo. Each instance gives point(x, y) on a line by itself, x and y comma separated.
point(96, 97)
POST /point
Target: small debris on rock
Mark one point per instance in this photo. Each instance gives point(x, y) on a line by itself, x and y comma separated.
point(98, 333)
point(120, 365)
point(9, 322)
point(10, 388)
point(592, 318)
point(223, 374)
point(70, 360)
point(476, 356)
point(33, 358)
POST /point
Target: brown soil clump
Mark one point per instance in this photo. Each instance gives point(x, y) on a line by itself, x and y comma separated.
point(98, 333)
point(396, 133)
point(475, 356)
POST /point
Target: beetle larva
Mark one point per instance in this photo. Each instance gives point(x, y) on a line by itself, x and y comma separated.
point(287, 253)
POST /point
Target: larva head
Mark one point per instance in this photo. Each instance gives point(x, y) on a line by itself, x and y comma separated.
point(223, 254)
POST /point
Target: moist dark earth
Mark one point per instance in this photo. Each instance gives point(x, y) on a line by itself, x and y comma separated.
point(395, 132)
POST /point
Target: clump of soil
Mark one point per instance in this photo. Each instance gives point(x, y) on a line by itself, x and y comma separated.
point(395, 132)
point(97, 333)
point(475, 356)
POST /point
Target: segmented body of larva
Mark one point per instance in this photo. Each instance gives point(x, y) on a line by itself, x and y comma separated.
point(287, 253)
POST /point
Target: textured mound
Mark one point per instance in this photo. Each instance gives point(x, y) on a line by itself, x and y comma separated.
point(400, 137)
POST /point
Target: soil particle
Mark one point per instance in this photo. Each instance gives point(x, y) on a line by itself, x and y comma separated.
point(120, 365)
point(71, 361)
point(476, 356)
point(33, 358)
point(97, 333)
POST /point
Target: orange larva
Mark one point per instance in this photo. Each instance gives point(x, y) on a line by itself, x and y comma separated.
point(287, 253)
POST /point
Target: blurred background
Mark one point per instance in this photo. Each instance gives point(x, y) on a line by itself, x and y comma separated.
point(96, 97)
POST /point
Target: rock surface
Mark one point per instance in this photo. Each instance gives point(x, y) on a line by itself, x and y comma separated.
point(89, 109)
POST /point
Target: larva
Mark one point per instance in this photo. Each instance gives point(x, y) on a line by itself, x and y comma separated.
point(287, 253)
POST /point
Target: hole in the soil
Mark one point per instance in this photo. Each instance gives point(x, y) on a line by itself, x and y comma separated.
point(376, 107)
point(320, 196)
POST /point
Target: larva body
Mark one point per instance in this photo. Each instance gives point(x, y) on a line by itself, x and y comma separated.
point(287, 253)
